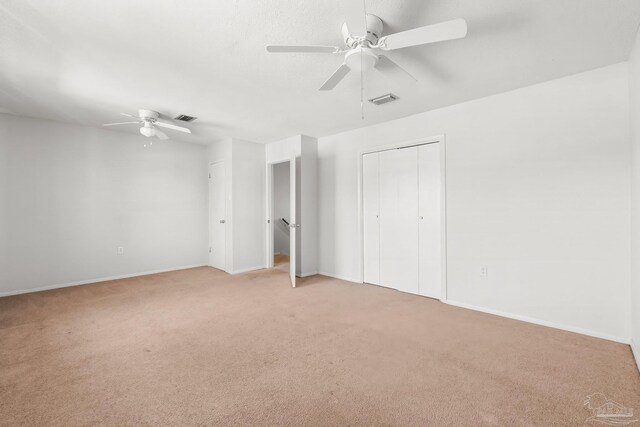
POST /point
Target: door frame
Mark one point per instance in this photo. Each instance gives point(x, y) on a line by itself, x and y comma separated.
point(269, 222)
point(443, 201)
point(226, 211)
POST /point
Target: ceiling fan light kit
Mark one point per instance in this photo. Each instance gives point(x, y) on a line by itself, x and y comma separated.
point(148, 130)
point(361, 58)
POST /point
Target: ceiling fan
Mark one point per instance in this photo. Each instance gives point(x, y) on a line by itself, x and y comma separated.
point(362, 35)
point(150, 122)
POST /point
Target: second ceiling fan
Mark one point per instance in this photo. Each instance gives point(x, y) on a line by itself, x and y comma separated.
point(150, 123)
point(362, 35)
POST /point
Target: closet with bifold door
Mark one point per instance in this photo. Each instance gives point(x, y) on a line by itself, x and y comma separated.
point(402, 219)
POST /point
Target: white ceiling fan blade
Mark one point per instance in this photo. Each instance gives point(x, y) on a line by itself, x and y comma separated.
point(161, 135)
point(355, 15)
point(121, 123)
point(170, 126)
point(336, 77)
point(302, 49)
point(129, 115)
point(393, 70)
point(448, 30)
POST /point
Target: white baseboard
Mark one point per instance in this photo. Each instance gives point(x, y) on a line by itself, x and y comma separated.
point(523, 318)
point(98, 280)
point(636, 353)
point(246, 270)
point(335, 276)
point(310, 273)
point(541, 322)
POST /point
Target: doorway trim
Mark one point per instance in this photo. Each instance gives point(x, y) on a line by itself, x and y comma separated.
point(443, 202)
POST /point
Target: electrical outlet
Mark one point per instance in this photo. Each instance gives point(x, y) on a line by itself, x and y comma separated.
point(120, 250)
point(484, 272)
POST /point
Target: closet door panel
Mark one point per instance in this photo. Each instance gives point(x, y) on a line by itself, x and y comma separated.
point(370, 211)
point(430, 264)
point(398, 179)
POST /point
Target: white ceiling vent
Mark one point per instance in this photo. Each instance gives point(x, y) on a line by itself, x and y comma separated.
point(184, 118)
point(383, 99)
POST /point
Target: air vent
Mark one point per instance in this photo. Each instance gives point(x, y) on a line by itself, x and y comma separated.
point(383, 99)
point(184, 118)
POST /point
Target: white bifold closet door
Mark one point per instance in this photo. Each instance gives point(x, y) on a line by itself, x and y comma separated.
point(398, 176)
point(430, 220)
point(402, 224)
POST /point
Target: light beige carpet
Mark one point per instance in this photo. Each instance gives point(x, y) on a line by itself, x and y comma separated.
point(199, 347)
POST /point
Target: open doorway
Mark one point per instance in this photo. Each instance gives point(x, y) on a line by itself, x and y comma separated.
point(283, 241)
point(281, 216)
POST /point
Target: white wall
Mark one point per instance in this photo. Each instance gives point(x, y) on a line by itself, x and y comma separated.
point(634, 82)
point(281, 207)
point(248, 196)
point(308, 206)
point(245, 172)
point(219, 151)
point(70, 195)
point(537, 191)
point(281, 151)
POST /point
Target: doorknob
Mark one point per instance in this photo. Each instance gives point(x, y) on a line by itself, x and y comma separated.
point(222, 221)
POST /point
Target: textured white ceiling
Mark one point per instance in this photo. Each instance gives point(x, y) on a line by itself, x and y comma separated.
point(84, 61)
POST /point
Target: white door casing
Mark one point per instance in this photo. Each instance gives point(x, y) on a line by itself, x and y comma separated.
point(293, 221)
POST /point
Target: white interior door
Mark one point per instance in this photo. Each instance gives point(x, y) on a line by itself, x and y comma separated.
point(293, 221)
point(398, 177)
point(371, 212)
point(430, 267)
point(217, 220)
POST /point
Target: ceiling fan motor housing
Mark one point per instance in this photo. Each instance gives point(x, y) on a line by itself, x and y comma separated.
point(374, 31)
point(148, 114)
